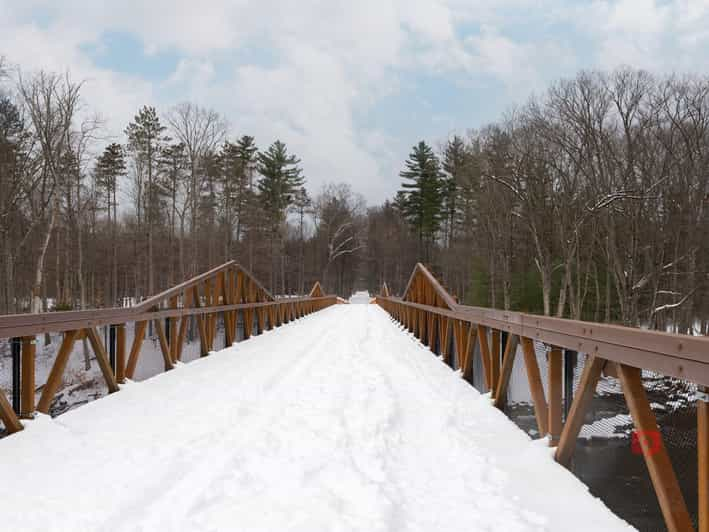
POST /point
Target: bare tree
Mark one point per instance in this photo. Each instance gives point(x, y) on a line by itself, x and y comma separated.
point(201, 130)
point(51, 101)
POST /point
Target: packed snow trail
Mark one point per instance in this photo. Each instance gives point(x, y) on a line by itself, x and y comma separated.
point(339, 421)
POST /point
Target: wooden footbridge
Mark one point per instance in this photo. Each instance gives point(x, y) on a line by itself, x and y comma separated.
point(457, 333)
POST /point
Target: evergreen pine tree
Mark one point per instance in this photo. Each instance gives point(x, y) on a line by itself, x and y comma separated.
point(281, 177)
point(421, 200)
point(110, 166)
point(145, 140)
point(454, 163)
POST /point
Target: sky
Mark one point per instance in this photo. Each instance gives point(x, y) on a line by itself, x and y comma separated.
point(349, 86)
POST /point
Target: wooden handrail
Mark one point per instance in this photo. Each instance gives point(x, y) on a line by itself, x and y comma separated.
point(224, 290)
point(428, 311)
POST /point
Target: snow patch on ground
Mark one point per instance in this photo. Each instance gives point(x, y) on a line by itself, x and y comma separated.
point(338, 421)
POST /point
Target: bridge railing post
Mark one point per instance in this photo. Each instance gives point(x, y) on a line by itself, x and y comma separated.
point(16, 350)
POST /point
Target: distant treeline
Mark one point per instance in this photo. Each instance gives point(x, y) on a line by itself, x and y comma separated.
point(587, 202)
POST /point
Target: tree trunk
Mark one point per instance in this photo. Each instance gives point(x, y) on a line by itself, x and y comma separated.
point(36, 307)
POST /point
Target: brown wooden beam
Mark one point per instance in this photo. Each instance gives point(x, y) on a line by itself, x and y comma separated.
point(535, 386)
point(138, 336)
point(8, 416)
point(584, 394)
point(102, 358)
point(469, 350)
point(203, 344)
point(490, 382)
point(495, 359)
point(445, 335)
point(29, 351)
point(184, 323)
point(54, 379)
point(507, 365)
point(669, 495)
point(164, 347)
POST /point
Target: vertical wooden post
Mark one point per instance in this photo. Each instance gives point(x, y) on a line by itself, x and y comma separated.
point(555, 395)
point(203, 344)
point(121, 353)
point(29, 351)
point(172, 341)
point(703, 457)
point(669, 495)
point(490, 382)
point(471, 334)
point(431, 331)
point(444, 336)
point(495, 359)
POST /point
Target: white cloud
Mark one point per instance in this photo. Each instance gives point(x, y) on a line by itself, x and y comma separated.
point(326, 63)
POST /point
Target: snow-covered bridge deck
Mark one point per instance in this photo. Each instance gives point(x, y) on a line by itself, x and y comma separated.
point(338, 421)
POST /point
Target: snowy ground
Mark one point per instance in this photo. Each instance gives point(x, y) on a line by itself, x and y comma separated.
point(338, 421)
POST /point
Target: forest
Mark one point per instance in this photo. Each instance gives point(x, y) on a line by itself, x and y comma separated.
point(587, 201)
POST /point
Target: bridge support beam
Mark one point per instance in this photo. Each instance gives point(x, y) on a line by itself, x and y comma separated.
point(29, 350)
point(669, 495)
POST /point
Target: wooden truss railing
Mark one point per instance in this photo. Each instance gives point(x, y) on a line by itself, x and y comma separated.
point(432, 315)
point(225, 290)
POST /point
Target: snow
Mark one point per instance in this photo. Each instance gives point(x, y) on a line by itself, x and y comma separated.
point(339, 421)
point(618, 426)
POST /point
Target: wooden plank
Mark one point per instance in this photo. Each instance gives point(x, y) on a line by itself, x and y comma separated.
point(164, 348)
point(181, 335)
point(8, 416)
point(536, 387)
point(445, 343)
point(507, 365)
point(248, 323)
point(121, 353)
point(584, 394)
point(469, 350)
point(495, 359)
point(54, 379)
point(490, 383)
point(172, 341)
point(203, 345)
point(431, 331)
point(227, 316)
point(27, 377)
point(555, 387)
point(102, 358)
point(669, 495)
point(138, 337)
point(703, 459)
point(208, 316)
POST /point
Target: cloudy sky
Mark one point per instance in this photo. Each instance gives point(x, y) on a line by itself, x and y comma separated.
point(348, 85)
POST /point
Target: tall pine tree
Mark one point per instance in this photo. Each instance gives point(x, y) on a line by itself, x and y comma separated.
point(422, 194)
point(110, 166)
point(145, 140)
point(281, 177)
